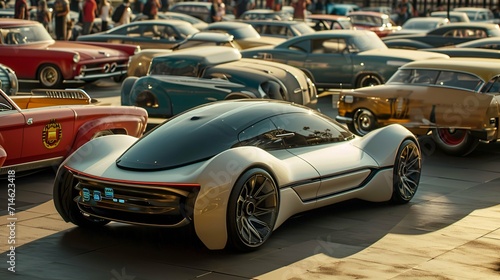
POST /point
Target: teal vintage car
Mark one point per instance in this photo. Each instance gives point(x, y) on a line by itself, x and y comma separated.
point(340, 58)
point(183, 79)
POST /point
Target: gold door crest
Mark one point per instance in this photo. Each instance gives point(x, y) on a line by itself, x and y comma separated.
point(52, 134)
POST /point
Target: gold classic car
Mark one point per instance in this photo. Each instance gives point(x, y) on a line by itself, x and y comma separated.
point(455, 99)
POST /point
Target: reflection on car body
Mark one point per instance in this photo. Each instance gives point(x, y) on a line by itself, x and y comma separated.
point(455, 99)
point(235, 171)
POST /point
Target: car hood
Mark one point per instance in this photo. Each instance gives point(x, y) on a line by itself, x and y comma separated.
point(86, 51)
point(381, 91)
point(410, 55)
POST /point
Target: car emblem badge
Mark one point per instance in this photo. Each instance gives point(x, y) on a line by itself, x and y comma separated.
point(86, 194)
point(97, 196)
point(52, 134)
point(108, 193)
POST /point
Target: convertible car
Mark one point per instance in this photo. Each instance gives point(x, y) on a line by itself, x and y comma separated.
point(41, 129)
point(455, 99)
point(340, 58)
point(27, 48)
point(183, 79)
point(235, 171)
point(8, 80)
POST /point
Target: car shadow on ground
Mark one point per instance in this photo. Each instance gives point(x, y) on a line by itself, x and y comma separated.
point(451, 188)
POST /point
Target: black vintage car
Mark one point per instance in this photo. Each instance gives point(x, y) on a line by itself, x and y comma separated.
point(187, 78)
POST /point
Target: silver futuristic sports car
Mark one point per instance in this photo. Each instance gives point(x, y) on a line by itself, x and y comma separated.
point(235, 170)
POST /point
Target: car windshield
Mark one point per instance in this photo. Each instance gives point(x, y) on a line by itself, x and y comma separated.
point(303, 28)
point(368, 41)
point(25, 35)
point(436, 77)
point(243, 33)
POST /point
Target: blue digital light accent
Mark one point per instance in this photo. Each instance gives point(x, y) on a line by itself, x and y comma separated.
point(86, 194)
point(97, 196)
point(121, 200)
point(115, 200)
point(108, 193)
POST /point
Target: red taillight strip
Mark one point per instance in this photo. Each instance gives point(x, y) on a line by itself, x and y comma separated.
point(166, 184)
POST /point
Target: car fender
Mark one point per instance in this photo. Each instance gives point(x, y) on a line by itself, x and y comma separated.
point(3, 155)
point(381, 144)
point(126, 89)
point(130, 124)
point(217, 181)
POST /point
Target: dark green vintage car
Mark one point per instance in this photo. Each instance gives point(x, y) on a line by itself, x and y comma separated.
point(340, 58)
point(187, 78)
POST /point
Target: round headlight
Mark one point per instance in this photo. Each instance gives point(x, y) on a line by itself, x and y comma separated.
point(76, 57)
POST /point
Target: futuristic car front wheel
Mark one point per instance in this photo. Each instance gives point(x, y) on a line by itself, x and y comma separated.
point(456, 142)
point(407, 169)
point(49, 75)
point(252, 210)
point(362, 122)
point(65, 183)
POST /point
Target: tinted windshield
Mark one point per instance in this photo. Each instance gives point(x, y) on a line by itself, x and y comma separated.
point(370, 41)
point(25, 35)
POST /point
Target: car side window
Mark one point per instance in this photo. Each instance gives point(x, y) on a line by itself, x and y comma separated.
point(421, 76)
point(321, 46)
point(303, 46)
point(261, 135)
point(493, 86)
point(302, 130)
point(459, 80)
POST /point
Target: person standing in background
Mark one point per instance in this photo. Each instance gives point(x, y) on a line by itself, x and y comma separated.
point(21, 10)
point(61, 11)
point(104, 13)
point(43, 14)
point(124, 16)
point(218, 10)
point(151, 8)
point(89, 12)
point(300, 9)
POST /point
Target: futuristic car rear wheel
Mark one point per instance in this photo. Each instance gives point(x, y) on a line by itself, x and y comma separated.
point(456, 142)
point(68, 194)
point(49, 75)
point(252, 210)
point(362, 122)
point(407, 169)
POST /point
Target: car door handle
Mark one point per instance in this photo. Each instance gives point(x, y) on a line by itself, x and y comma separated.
point(285, 135)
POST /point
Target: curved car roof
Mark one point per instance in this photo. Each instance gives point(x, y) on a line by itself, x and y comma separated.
point(201, 133)
point(208, 55)
point(485, 68)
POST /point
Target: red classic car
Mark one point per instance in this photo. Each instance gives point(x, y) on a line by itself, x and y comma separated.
point(41, 129)
point(379, 23)
point(27, 48)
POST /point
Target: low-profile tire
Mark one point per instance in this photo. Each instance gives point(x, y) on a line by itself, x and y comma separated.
point(455, 142)
point(50, 76)
point(65, 184)
point(363, 121)
point(252, 210)
point(406, 174)
point(368, 80)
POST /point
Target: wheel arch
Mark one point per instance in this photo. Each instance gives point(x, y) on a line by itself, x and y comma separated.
point(217, 181)
point(356, 79)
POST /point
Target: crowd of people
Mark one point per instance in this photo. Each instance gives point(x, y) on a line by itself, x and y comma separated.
point(61, 25)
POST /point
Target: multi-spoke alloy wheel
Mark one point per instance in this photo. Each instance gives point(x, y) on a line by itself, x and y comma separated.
point(252, 210)
point(407, 169)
